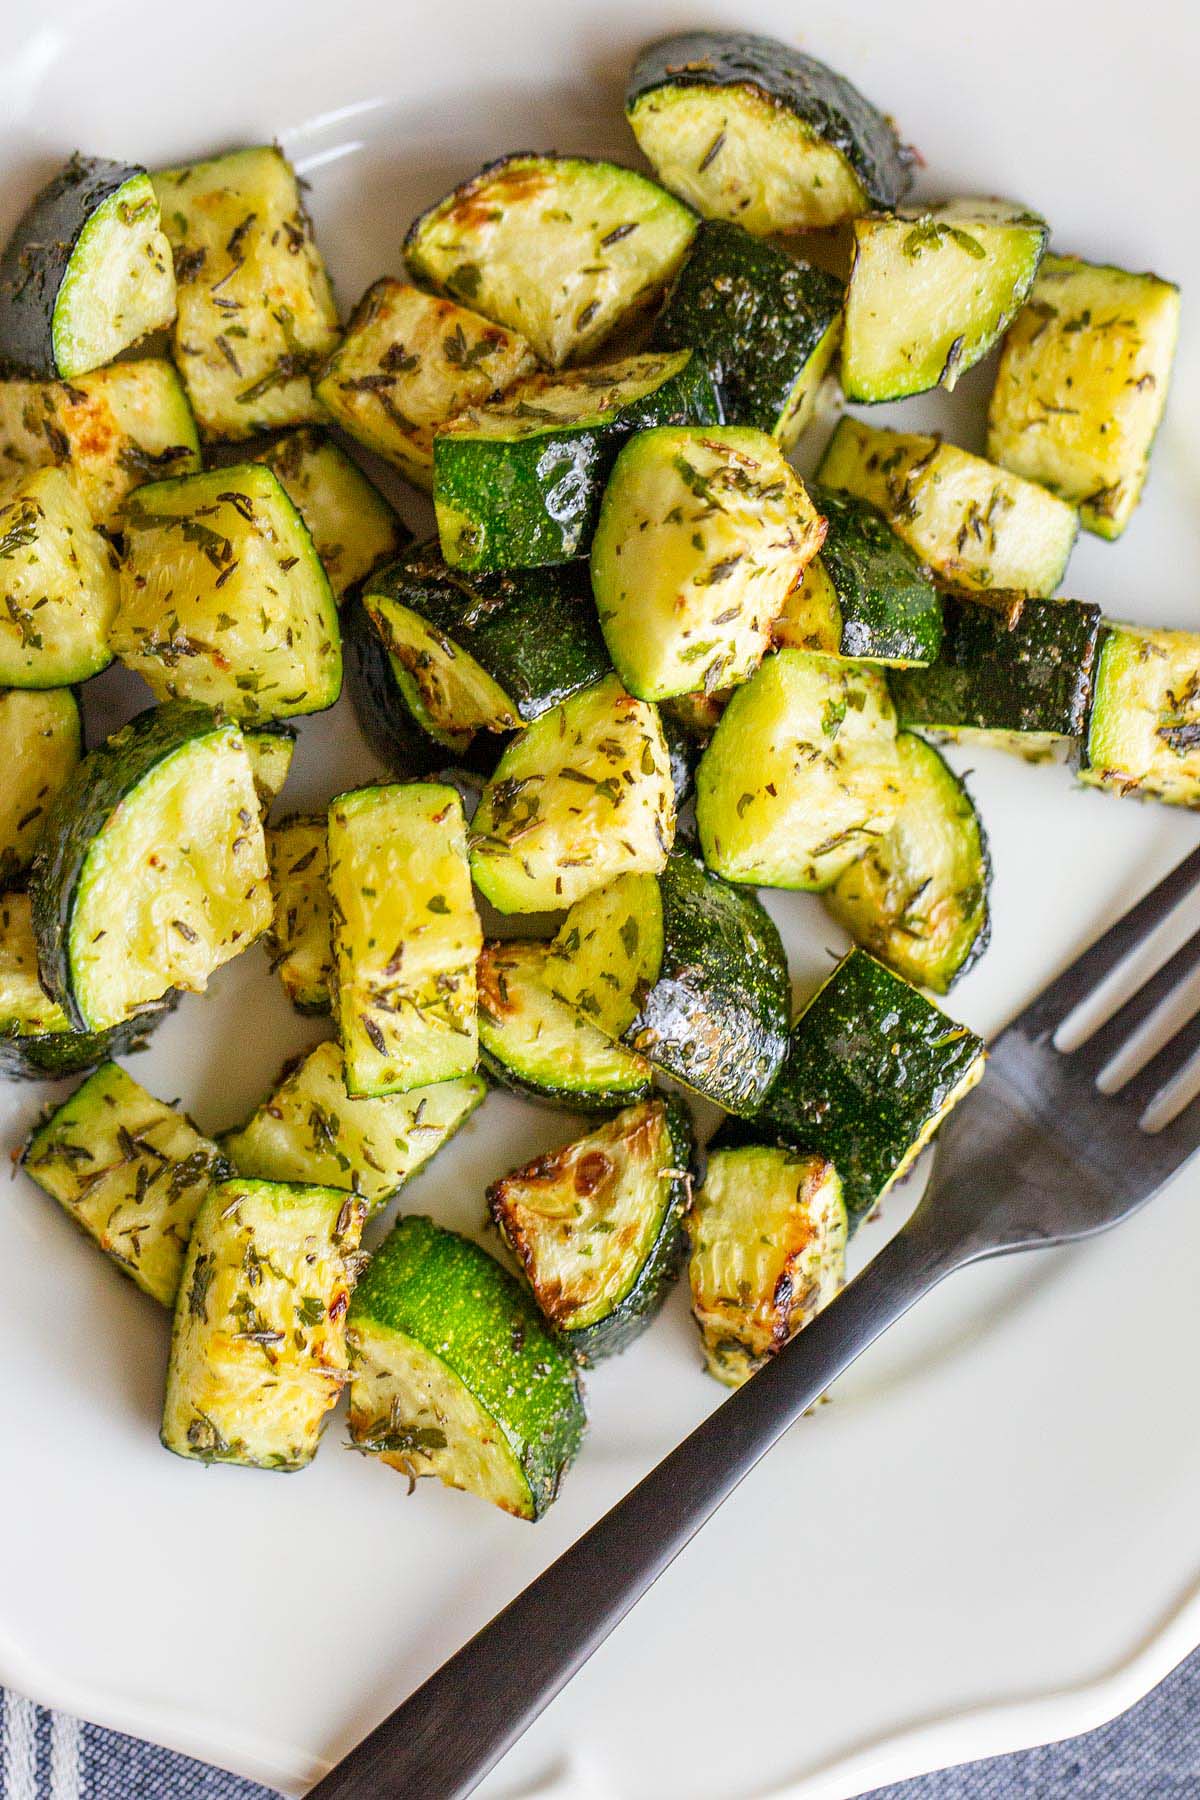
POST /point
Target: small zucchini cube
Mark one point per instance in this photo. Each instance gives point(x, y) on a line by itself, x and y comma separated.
point(258, 1352)
point(408, 362)
point(391, 713)
point(768, 1250)
point(1082, 385)
point(352, 526)
point(406, 937)
point(130, 1171)
point(703, 532)
point(58, 585)
point(256, 315)
point(1143, 728)
point(579, 797)
point(224, 599)
point(41, 742)
point(299, 939)
point(270, 749)
point(597, 1225)
point(455, 1375)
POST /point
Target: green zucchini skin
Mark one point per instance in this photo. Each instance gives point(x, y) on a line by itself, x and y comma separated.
point(826, 102)
point(384, 716)
point(891, 611)
point(51, 1055)
point(759, 318)
point(1033, 679)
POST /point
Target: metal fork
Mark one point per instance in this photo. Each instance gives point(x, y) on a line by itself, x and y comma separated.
point(1037, 1155)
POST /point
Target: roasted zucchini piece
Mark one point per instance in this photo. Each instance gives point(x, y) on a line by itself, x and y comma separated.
point(309, 1129)
point(532, 1041)
point(58, 585)
point(872, 1069)
point(702, 534)
point(86, 272)
point(406, 937)
point(1143, 729)
point(224, 599)
point(559, 248)
point(454, 1374)
point(686, 970)
point(801, 773)
point(766, 324)
point(695, 715)
point(270, 749)
point(41, 741)
point(408, 362)
point(487, 652)
point(519, 483)
point(866, 596)
point(352, 526)
point(1021, 686)
point(130, 1171)
point(152, 870)
point(389, 710)
point(768, 1251)
point(931, 292)
point(256, 315)
point(1082, 384)
point(258, 1353)
point(750, 129)
point(976, 525)
point(300, 933)
point(582, 795)
point(110, 430)
point(597, 1225)
point(918, 899)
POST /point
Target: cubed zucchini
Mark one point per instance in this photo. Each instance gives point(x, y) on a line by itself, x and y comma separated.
point(766, 324)
point(58, 585)
point(582, 795)
point(86, 272)
point(223, 597)
point(41, 741)
point(110, 430)
point(976, 525)
point(866, 596)
point(1143, 728)
point(801, 773)
point(256, 315)
point(532, 1041)
point(454, 1373)
point(918, 899)
point(406, 937)
point(768, 1251)
point(560, 248)
point(931, 292)
point(309, 1129)
point(130, 1171)
point(152, 870)
point(300, 932)
point(703, 532)
point(409, 361)
point(750, 129)
point(1082, 385)
point(597, 1225)
point(518, 483)
point(389, 709)
point(270, 748)
point(258, 1353)
point(352, 526)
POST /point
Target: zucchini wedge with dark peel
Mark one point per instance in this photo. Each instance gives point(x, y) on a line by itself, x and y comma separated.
point(86, 272)
point(270, 748)
point(918, 899)
point(750, 129)
point(533, 1042)
point(388, 706)
point(258, 1352)
point(597, 1225)
point(1143, 729)
point(130, 1171)
point(152, 870)
point(41, 742)
point(58, 585)
point(519, 483)
point(352, 526)
point(455, 1375)
point(299, 938)
point(766, 324)
point(309, 1129)
point(703, 532)
point(768, 1250)
point(562, 249)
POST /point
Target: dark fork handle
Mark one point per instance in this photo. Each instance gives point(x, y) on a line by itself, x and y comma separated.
point(443, 1740)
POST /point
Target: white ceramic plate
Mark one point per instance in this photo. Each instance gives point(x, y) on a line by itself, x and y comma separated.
point(988, 1538)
